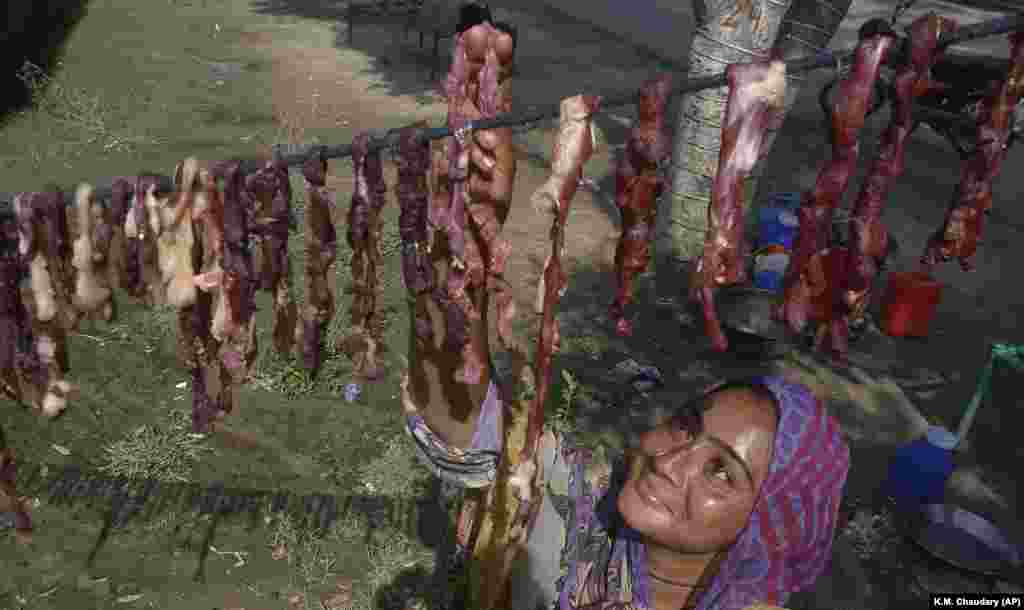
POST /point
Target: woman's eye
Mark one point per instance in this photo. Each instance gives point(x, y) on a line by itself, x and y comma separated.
point(718, 470)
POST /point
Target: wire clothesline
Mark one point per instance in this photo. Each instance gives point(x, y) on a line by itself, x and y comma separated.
point(298, 154)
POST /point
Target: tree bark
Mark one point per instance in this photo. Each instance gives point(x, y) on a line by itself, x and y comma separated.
point(728, 31)
point(808, 26)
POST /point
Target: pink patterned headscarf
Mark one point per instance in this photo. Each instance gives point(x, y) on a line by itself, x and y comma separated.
point(788, 540)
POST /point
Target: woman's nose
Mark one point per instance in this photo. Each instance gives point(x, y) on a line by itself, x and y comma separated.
point(675, 462)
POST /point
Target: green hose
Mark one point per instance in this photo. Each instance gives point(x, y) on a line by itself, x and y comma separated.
point(1009, 354)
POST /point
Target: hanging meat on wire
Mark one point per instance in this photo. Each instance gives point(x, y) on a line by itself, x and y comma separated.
point(869, 237)
point(142, 251)
point(804, 300)
point(574, 146)
point(121, 196)
point(321, 254)
point(637, 187)
point(963, 226)
point(173, 225)
point(757, 92)
point(10, 501)
point(271, 194)
point(489, 189)
point(362, 343)
point(45, 313)
point(93, 296)
point(200, 348)
point(233, 283)
point(414, 202)
point(476, 86)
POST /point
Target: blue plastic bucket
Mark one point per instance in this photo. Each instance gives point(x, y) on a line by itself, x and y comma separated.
point(918, 472)
point(777, 221)
point(769, 269)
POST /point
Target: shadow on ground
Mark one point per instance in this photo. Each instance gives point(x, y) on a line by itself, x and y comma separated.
point(36, 32)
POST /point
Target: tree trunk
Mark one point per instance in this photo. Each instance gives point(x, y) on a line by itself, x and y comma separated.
point(728, 31)
point(807, 28)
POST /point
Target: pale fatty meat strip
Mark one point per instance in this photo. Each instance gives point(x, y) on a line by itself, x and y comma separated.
point(963, 226)
point(93, 295)
point(141, 234)
point(573, 148)
point(638, 185)
point(757, 92)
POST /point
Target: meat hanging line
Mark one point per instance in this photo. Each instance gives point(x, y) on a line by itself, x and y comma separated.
point(297, 155)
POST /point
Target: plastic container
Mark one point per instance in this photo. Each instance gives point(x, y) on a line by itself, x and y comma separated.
point(909, 304)
point(918, 471)
point(769, 269)
point(777, 221)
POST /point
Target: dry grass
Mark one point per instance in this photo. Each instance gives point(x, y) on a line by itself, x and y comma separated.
point(166, 451)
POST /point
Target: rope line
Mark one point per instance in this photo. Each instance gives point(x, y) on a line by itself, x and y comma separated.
point(298, 154)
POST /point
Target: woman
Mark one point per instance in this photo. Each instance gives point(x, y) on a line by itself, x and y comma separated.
point(730, 503)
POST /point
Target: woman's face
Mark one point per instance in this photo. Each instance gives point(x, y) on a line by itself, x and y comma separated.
point(694, 494)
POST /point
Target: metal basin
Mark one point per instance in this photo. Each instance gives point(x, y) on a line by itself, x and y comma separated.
point(964, 540)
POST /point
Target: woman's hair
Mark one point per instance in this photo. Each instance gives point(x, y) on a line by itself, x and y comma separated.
point(473, 13)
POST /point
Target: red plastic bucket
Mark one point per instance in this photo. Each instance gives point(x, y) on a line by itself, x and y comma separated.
point(910, 302)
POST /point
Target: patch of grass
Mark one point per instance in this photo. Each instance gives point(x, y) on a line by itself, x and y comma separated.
point(83, 116)
point(166, 451)
point(396, 473)
point(590, 345)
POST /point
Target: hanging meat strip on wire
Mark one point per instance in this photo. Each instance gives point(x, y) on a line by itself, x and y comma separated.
point(816, 209)
point(637, 187)
point(574, 146)
point(45, 312)
point(234, 283)
point(476, 86)
point(757, 92)
point(92, 296)
point(362, 342)
point(143, 254)
point(489, 189)
point(271, 194)
point(200, 349)
point(321, 254)
point(869, 237)
point(173, 225)
point(414, 203)
point(10, 501)
point(962, 229)
point(120, 202)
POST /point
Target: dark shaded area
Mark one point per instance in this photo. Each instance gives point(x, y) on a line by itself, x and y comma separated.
point(35, 31)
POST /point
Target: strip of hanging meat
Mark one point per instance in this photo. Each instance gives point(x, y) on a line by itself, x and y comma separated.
point(121, 191)
point(414, 164)
point(573, 148)
point(756, 95)
point(321, 254)
point(963, 226)
point(92, 294)
point(362, 342)
point(173, 218)
point(869, 237)
point(140, 229)
point(44, 312)
point(234, 283)
point(637, 187)
point(212, 394)
point(271, 193)
point(818, 204)
point(489, 187)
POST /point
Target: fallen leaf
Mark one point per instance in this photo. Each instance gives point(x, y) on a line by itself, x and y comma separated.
point(296, 601)
point(127, 599)
point(182, 385)
point(280, 552)
point(62, 450)
point(344, 584)
point(336, 600)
